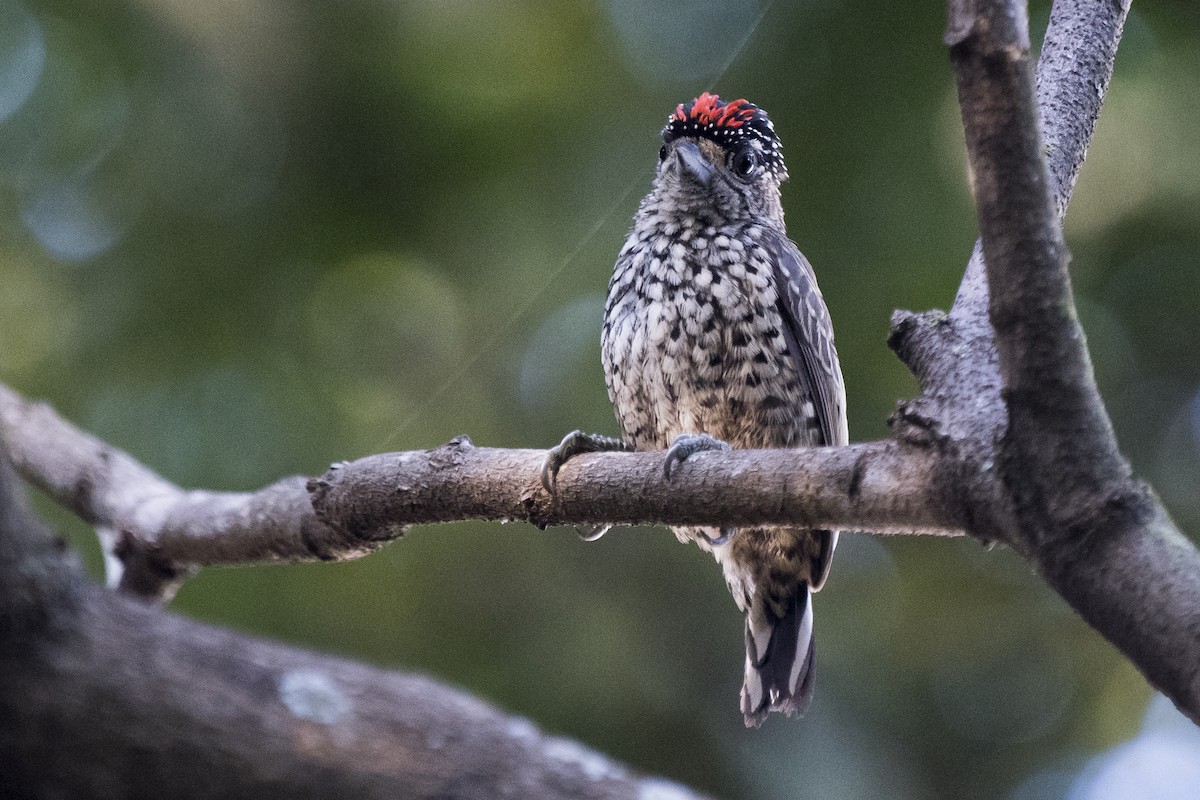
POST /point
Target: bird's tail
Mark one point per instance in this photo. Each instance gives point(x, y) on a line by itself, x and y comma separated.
point(779, 656)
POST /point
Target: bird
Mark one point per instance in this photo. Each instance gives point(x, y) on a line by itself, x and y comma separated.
point(716, 336)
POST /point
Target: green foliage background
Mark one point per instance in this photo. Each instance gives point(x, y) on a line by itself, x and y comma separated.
point(246, 239)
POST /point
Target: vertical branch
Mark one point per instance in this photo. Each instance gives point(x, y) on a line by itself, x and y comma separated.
point(1073, 75)
point(1057, 424)
point(1099, 537)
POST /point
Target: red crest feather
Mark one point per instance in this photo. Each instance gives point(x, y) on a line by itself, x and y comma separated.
point(727, 124)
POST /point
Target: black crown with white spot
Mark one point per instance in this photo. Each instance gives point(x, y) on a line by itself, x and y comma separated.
point(727, 124)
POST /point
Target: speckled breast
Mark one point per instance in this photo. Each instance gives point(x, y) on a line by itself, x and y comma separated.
point(693, 341)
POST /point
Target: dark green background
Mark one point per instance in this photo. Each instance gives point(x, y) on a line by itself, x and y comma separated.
point(246, 239)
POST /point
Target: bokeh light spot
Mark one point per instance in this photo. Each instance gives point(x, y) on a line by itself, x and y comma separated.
point(1160, 763)
point(74, 218)
point(389, 332)
point(37, 314)
point(22, 56)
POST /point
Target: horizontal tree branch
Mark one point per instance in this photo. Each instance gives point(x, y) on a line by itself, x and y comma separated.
point(879, 487)
point(102, 697)
point(155, 534)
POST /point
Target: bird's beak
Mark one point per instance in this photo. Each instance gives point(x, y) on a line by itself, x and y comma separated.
point(694, 163)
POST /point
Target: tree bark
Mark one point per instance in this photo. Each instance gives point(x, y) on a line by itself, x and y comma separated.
point(155, 534)
point(1100, 538)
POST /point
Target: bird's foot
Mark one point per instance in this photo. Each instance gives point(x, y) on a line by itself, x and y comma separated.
point(687, 445)
point(684, 447)
point(573, 444)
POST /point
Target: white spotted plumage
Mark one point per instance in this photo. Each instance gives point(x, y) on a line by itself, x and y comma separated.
point(714, 325)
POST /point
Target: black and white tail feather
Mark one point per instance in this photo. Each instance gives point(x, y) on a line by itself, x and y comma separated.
point(775, 594)
point(779, 659)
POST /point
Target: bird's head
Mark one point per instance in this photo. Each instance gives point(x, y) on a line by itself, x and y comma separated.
point(724, 157)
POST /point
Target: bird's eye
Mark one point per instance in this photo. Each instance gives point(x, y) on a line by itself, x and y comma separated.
point(662, 153)
point(745, 162)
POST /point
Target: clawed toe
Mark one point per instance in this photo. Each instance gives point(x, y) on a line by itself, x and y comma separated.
point(550, 467)
point(687, 445)
point(573, 444)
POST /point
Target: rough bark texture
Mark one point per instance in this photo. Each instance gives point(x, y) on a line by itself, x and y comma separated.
point(881, 487)
point(155, 534)
point(1099, 537)
point(1008, 392)
point(103, 697)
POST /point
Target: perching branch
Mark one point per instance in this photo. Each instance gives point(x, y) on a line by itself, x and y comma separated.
point(880, 487)
point(162, 533)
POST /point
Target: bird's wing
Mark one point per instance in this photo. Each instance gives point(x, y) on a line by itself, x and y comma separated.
point(809, 334)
